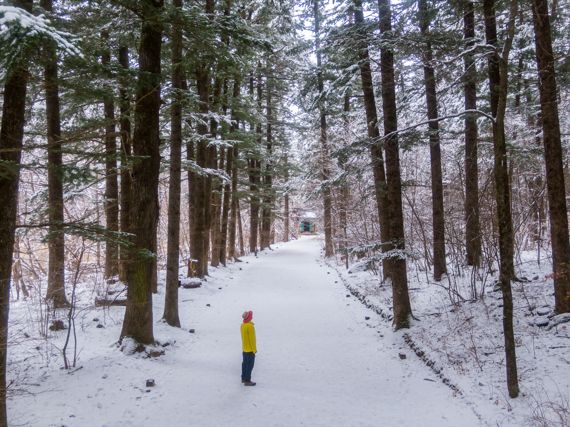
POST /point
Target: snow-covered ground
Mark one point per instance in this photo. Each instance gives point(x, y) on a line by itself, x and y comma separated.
point(323, 360)
point(463, 340)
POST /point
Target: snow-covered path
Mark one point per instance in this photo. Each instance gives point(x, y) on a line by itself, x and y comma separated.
point(319, 362)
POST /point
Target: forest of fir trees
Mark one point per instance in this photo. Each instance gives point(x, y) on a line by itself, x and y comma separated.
point(150, 135)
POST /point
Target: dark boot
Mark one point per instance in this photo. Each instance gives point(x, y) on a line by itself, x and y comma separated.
point(249, 383)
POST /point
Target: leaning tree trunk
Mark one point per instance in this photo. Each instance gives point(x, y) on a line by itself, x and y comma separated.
point(111, 185)
point(501, 169)
point(324, 154)
point(438, 220)
point(397, 262)
point(553, 156)
point(11, 137)
point(173, 244)
point(472, 225)
point(373, 132)
point(498, 85)
point(126, 176)
point(146, 140)
point(56, 243)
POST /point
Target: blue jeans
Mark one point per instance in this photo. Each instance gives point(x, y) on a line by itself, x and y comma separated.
point(247, 365)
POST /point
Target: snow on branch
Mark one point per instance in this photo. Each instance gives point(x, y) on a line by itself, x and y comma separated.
point(20, 29)
point(194, 167)
point(438, 119)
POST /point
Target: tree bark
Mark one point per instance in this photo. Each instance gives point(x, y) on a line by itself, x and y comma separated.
point(472, 225)
point(397, 262)
point(209, 154)
point(498, 84)
point(267, 206)
point(373, 132)
point(56, 243)
point(200, 209)
point(286, 215)
point(11, 139)
point(234, 172)
point(216, 162)
point(438, 220)
point(192, 177)
point(174, 189)
point(344, 189)
point(553, 156)
point(240, 231)
point(126, 159)
point(216, 227)
point(226, 205)
point(146, 140)
point(324, 152)
point(111, 184)
point(254, 168)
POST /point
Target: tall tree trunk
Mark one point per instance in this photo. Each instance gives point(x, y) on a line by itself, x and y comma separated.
point(498, 84)
point(215, 229)
point(154, 267)
point(210, 151)
point(173, 245)
point(234, 172)
point(215, 183)
point(192, 177)
point(126, 159)
point(397, 262)
point(240, 231)
point(472, 226)
point(267, 206)
point(373, 132)
point(56, 243)
point(438, 220)
point(286, 215)
point(254, 168)
point(226, 202)
point(146, 140)
point(200, 209)
point(324, 153)
point(344, 189)
point(111, 184)
point(553, 156)
point(11, 138)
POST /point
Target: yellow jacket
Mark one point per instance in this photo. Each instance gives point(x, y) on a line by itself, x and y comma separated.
point(248, 337)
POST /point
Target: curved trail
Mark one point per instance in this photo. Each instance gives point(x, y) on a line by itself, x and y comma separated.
point(319, 362)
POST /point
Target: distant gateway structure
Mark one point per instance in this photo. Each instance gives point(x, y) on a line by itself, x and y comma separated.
point(307, 222)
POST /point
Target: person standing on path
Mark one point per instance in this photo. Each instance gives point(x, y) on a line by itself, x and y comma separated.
point(249, 348)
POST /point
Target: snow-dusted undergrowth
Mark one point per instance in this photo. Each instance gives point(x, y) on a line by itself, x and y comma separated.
point(462, 341)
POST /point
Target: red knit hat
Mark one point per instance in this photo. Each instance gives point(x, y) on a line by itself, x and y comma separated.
point(247, 316)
